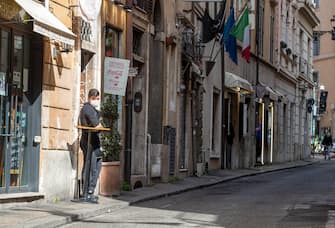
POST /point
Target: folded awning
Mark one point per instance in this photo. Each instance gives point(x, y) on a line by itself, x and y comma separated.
point(45, 23)
point(237, 83)
point(263, 90)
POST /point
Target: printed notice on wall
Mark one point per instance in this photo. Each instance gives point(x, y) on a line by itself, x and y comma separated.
point(116, 76)
point(25, 79)
point(17, 78)
point(2, 84)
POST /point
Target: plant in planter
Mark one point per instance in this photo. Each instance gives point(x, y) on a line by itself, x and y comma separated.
point(288, 51)
point(283, 45)
point(110, 140)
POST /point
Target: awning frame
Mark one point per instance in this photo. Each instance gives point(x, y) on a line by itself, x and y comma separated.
point(237, 83)
point(45, 23)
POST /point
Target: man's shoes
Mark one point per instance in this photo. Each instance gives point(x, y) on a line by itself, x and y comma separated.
point(91, 198)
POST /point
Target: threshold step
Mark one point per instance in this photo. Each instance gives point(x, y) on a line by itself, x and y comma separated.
point(20, 197)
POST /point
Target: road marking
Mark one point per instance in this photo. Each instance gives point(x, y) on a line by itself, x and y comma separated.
point(166, 206)
point(331, 219)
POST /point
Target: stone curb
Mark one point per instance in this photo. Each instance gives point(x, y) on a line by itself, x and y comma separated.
point(57, 221)
point(224, 179)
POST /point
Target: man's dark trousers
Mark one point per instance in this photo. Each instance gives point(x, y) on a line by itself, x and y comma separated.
point(95, 166)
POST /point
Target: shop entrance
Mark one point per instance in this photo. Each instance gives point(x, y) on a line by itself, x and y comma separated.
point(20, 110)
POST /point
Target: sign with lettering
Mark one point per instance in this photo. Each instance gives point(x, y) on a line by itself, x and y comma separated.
point(116, 75)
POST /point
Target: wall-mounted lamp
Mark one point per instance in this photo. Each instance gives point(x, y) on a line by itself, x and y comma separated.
point(127, 7)
point(66, 49)
point(332, 32)
point(118, 3)
point(322, 87)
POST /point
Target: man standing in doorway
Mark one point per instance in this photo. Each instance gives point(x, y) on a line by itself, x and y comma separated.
point(89, 117)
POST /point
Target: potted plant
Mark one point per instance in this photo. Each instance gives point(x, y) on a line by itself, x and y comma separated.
point(283, 45)
point(110, 183)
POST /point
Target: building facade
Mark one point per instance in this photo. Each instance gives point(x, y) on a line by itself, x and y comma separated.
point(323, 59)
point(37, 87)
point(270, 119)
point(175, 114)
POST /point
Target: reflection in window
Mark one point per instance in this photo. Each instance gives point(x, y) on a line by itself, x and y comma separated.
point(137, 41)
point(112, 43)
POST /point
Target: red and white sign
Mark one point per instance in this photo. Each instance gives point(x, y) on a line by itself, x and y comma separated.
point(116, 76)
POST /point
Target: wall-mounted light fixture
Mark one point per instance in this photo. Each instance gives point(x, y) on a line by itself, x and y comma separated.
point(318, 33)
point(118, 3)
point(64, 48)
point(127, 7)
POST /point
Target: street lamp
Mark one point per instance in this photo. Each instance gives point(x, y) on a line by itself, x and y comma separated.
point(332, 21)
point(318, 33)
point(322, 87)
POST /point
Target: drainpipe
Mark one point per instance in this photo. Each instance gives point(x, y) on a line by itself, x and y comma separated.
point(257, 44)
point(148, 159)
point(223, 75)
point(129, 99)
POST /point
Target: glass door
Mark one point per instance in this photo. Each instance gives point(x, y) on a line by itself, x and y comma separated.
point(17, 112)
point(13, 116)
point(4, 106)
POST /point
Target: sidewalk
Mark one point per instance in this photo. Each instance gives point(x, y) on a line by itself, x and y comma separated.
point(57, 214)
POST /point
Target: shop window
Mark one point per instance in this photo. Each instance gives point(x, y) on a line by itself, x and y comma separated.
point(316, 44)
point(145, 5)
point(140, 4)
point(244, 120)
point(215, 120)
point(137, 41)
point(112, 43)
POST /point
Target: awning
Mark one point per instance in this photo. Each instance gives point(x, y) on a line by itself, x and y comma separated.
point(263, 90)
point(237, 83)
point(45, 23)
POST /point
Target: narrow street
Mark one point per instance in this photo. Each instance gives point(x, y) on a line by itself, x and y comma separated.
point(302, 197)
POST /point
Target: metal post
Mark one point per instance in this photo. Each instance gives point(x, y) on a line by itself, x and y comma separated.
point(87, 165)
point(223, 139)
point(223, 127)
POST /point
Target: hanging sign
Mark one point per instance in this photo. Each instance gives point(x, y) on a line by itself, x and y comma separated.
point(133, 71)
point(116, 76)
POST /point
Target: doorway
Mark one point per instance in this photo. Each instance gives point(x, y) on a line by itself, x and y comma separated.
point(20, 110)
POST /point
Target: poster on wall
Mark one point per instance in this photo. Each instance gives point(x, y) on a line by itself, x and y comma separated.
point(17, 78)
point(2, 84)
point(116, 76)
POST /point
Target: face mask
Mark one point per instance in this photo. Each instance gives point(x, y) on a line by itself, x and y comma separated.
point(95, 103)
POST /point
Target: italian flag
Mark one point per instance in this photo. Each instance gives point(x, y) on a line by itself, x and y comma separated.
point(241, 31)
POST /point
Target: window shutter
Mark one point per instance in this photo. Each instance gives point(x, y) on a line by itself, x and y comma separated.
point(149, 7)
